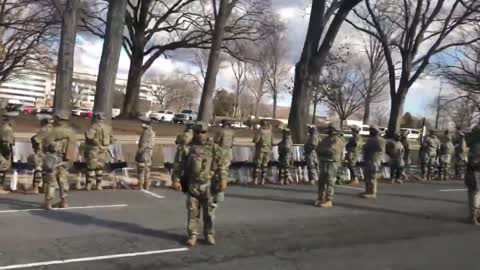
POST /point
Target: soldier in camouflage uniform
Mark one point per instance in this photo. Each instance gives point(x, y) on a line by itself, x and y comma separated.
point(60, 145)
point(447, 150)
point(311, 159)
point(182, 141)
point(201, 170)
point(461, 158)
point(373, 151)
point(97, 142)
point(429, 155)
point(285, 157)
point(144, 154)
point(406, 153)
point(330, 156)
point(396, 152)
point(224, 139)
point(263, 140)
point(39, 152)
point(353, 148)
point(7, 142)
point(472, 176)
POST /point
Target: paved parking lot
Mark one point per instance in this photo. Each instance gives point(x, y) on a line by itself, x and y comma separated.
point(410, 226)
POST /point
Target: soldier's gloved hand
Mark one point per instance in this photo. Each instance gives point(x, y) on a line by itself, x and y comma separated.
point(176, 186)
point(223, 185)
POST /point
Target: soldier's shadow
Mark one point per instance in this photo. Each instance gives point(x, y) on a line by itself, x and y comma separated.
point(15, 204)
point(80, 219)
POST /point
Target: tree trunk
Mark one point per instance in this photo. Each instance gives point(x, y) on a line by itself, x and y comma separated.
point(132, 97)
point(107, 71)
point(314, 115)
point(396, 111)
point(366, 112)
point(235, 107)
point(205, 108)
point(257, 103)
point(274, 113)
point(63, 84)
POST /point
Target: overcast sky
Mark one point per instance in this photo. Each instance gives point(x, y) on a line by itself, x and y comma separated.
point(292, 12)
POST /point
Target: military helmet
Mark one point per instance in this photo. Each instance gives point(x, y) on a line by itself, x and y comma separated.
point(263, 123)
point(311, 128)
point(355, 129)
point(200, 126)
point(333, 128)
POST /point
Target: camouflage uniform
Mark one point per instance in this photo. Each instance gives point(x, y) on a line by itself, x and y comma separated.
point(460, 156)
point(61, 147)
point(201, 168)
point(353, 148)
point(224, 139)
point(285, 158)
point(472, 176)
point(311, 155)
point(447, 150)
point(373, 151)
point(429, 155)
point(7, 141)
point(330, 154)
point(406, 153)
point(396, 152)
point(97, 142)
point(144, 155)
point(39, 152)
point(182, 141)
point(263, 140)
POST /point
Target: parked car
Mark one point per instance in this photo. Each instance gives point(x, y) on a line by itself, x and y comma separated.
point(180, 118)
point(44, 110)
point(190, 115)
point(28, 110)
point(162, 115)
point(412, 134)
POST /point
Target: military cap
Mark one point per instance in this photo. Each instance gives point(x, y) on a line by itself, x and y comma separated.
point(200, 126)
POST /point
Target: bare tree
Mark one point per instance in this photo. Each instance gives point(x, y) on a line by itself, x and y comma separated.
point(326, 18)
point(464, 111)
point(239, 69)
point(277, 64)
point(257, 74)
point(374, 76)
point(414, 32)
point(250, 11)
point(340, 88)
point(174, 91)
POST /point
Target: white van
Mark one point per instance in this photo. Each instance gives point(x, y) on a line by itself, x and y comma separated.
point(412, 134)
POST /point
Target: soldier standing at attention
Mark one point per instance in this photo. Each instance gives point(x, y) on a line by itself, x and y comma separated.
point(311, 154)
point(447, 150)
point(406, 153)
point(396, 153)
point(353, 148)
point(39, 152)
point(224, 139)
point(60, 145)
point(144, 154)
point(461, 155)
point(97, 142)
point(7, 141)
point(182, 141)
point(201, 167)
point(373, 151)
point(472, 176)
point(263, 140)
point(285, 157)
point(429, 155)
point(330, 154)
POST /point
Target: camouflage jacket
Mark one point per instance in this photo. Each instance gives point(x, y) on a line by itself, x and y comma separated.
point(7, 139)
point(147, 139)
point(38, 138)
point(263, 139)
point(331, 149)
point(98, 137)
point(473, 142)
point(395, 150)
point(285, 145)
point(311, 144)
point(354, 145)
point(202, 162)
point(374, 149)
point(61, 141)
point(461, 149)
point(224, 138)
point(431, 145)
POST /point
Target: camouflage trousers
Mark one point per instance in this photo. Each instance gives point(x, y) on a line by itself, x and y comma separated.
point(143, 174)
point(472, 181)
point(371, 174)
point(397, 168)
point(262, 159)
point(351, 162)
point(284, 166)
point(312, 166)
point(95, 160)
point(428, 165)
point(37, 173)
point(57, 178)
point(460, 168)
point(202, 204)
point(327, 180)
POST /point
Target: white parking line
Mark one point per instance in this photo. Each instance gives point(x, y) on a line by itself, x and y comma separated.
point(347, 187)
point(89, 259)
point(153, 194)
point(453, 190)
point(64, 209)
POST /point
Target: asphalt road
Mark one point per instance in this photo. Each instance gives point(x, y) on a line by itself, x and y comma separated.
point(410, 226)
